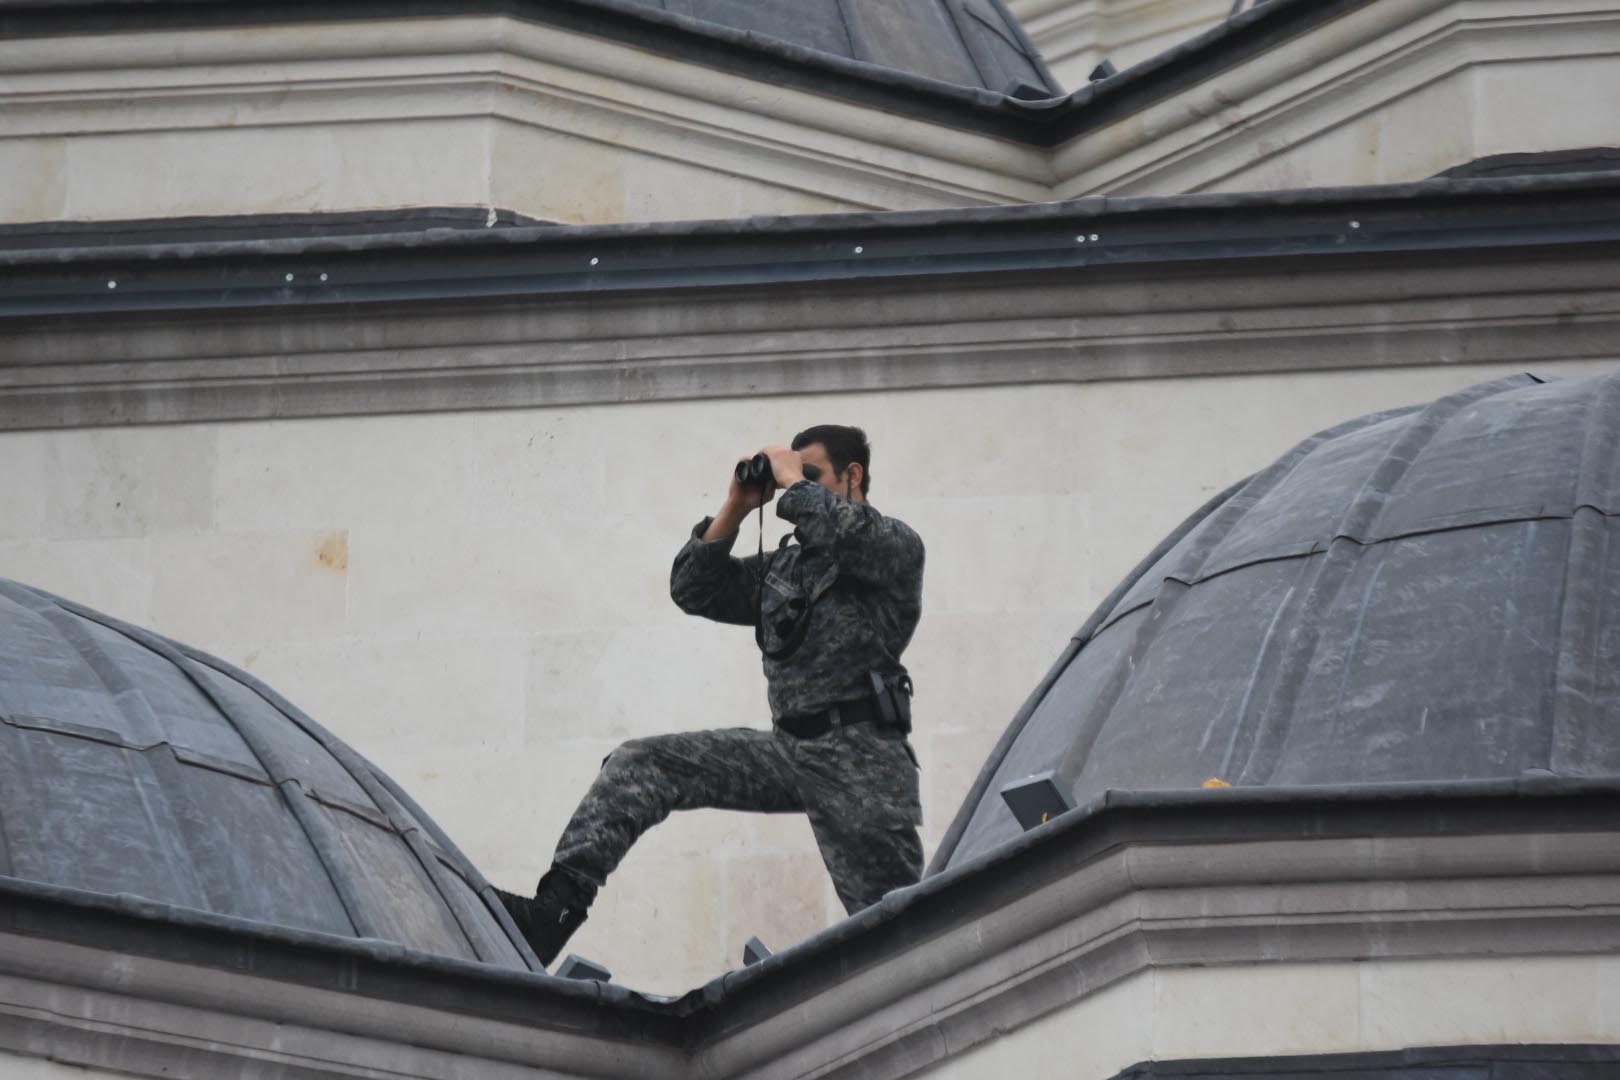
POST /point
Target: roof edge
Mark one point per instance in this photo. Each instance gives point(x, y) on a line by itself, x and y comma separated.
point(1237, 838)
point(1040, 122)
point(1449, 195)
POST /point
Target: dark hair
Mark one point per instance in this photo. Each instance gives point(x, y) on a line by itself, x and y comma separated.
point(844, 445)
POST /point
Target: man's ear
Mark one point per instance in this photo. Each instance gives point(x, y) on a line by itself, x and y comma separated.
point(855, 473)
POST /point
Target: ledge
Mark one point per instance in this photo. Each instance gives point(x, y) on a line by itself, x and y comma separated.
point(1444, 271)
point(1147, 881)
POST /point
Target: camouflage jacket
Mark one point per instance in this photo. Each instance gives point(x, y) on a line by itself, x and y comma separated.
point(857, 573)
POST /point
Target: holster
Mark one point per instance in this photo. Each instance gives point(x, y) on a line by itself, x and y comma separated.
point(893, 694)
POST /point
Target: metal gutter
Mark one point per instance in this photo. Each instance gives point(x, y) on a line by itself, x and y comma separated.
point(315, 271)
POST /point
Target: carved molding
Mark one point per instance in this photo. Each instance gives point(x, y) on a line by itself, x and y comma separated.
point(1047, 935)
point(561, 125)
point(1061, 325)
point(1252, 127)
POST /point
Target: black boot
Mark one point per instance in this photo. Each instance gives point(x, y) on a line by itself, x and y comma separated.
point(550, 917)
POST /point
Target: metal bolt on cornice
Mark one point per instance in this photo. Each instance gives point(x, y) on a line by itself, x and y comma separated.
point(859, 249)
point(594, 260)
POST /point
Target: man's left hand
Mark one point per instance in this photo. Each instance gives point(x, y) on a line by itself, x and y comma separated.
point(786, 464)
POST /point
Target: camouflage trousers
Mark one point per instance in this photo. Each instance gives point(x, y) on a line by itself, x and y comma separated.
point(857, 785)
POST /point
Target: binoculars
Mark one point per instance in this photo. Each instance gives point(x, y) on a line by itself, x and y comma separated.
point(757, 472)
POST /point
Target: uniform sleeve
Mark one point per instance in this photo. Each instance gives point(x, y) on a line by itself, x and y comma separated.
point(707, 581)
point(868, 546)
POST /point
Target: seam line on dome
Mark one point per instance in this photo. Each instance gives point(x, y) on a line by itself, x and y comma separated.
point(323, 845)
point(186, 755)
point(197, 759)
point(1317, 548)
point(402, 817)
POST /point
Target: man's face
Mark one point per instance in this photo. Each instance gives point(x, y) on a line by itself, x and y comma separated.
point(816, 454)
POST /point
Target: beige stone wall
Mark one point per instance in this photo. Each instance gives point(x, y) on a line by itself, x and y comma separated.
point(1394, 91)
point(478, 601)
point(14, 1067)
point(1281, 1009)
point(489, 112)
point(465, 112)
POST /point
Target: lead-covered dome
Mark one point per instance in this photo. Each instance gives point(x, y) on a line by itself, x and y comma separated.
point(976, 43)
point(1430, 595)
point(130, 764)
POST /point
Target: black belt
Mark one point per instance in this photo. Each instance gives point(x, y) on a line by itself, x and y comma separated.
point(845, 713)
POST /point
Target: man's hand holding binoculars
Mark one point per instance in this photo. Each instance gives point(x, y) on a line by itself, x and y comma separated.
point(754, 482)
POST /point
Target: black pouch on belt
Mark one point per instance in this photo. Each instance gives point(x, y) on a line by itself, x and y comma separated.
point(893, 696)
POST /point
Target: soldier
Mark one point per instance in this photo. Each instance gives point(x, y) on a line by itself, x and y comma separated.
point(831, 615)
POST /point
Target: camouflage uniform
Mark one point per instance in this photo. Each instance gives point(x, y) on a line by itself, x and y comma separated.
point(857, 577)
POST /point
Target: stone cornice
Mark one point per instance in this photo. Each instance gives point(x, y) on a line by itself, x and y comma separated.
point(1446, 272)
point(524, 109)
point(544, 80)
point(1151, 882)
point(1203, 134)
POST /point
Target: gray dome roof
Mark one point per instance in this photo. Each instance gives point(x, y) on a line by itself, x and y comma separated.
point(965, 42)
point(130, 764)
point(1426, 595)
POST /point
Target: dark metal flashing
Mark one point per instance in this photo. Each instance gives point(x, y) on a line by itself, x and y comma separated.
point(1587, 160)
point(1091, 235)
point(1040, 122)
point(251, 227)
point(1518, 1062)
point(904, 919)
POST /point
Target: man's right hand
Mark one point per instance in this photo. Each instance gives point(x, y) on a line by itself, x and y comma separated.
point(740, 502)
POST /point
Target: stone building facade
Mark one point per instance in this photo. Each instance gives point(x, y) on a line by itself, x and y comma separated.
point(388, 354)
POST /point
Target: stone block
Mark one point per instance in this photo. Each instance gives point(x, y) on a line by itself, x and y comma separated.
point(1546, 102)
point(1008, 440)
point(1489, 1001)
point(1259, 1010)
point(127, 481)
point(26, 485)
point(778, 834)
point(575, 572)
point(33, 186)
point(1090, 1039)
point(112, 576)
point(549, 465)
point(974, 670)
point(780, 898)
point(276, 168)
point(15, 1067)
point(216, 590)
point(658, 925)
point(643, 680)
point(371, 471)
point(997, 554)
